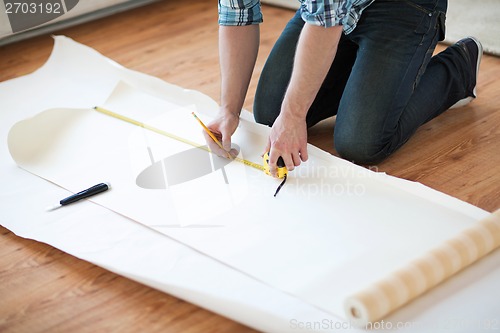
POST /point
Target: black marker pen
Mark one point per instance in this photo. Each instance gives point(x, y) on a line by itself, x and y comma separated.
point(82, 195)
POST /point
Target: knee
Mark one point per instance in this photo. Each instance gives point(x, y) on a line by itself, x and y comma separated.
point(259, 112)
point(362, 153)
point(265, 109)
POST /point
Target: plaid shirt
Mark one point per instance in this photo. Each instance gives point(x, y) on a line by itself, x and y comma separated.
point(326, 13)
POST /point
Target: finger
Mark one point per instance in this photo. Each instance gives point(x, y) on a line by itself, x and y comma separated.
point(226, 141)
point(215, 144)
point(234, 152)
point(275, 155)
point(289, 163)
point(304, 156)
point(296, 159)
point(214, 147)
point(268, 147)
point(273, 159)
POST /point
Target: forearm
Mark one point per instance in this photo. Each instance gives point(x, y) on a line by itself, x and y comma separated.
point(314, 56)
point(238, 47)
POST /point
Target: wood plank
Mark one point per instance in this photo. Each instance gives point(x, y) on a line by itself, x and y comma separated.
point(44, 289)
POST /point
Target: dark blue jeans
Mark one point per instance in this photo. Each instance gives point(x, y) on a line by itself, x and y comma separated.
point(383, 83)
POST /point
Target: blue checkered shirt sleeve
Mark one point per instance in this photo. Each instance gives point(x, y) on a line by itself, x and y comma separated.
point(239, 12)
point(329, 13)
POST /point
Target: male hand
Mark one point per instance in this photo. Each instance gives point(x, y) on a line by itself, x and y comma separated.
point(313, 58)
point(223, 127)
point(288, 139)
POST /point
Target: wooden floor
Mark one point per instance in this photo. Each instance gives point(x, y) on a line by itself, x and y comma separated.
point(47, 290)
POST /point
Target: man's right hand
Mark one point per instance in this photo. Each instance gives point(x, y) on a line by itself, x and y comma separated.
point(238, 47)
point(223, 127)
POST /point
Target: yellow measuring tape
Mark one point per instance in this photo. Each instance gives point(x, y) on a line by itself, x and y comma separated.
point(172, 136)
point(281, 170)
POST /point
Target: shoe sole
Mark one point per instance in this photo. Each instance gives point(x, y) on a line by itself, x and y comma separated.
point(469, 99)
point(479, 57)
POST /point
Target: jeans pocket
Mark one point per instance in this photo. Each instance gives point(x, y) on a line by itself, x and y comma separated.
point(418, 7)
point(431, 24)
point(430, 10)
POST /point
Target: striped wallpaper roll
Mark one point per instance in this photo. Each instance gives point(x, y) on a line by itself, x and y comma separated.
point(378, 300)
